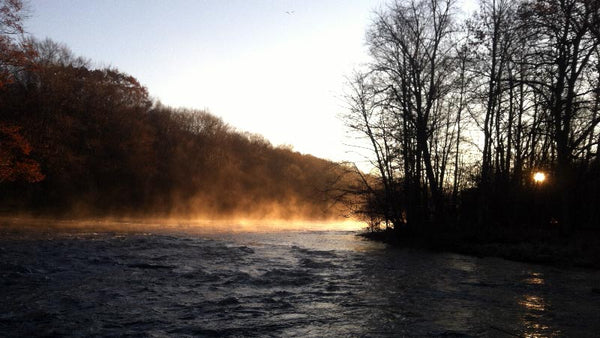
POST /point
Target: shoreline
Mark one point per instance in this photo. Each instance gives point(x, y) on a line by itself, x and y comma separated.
point(578, 250)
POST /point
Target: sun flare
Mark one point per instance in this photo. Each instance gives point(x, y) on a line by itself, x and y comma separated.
point(539, 177)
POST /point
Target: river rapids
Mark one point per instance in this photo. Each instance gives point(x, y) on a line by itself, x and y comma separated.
point(277, 283)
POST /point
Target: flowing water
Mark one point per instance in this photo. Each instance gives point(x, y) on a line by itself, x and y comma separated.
point(279, 283)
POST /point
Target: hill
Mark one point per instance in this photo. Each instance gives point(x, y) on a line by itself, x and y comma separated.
point(92, 141)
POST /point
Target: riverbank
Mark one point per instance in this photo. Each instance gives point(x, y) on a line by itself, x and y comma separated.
point(580, 249)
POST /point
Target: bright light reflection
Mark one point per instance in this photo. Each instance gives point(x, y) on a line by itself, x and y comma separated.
point(531, 302)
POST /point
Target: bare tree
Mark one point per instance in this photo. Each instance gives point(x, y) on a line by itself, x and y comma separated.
point(411, 49)
point(566, 40)
point(368, 115)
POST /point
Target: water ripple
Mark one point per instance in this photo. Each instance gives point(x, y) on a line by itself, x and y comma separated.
point(314, 284)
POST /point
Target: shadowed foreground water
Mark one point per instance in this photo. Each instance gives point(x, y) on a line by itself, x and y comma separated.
point(310, 283)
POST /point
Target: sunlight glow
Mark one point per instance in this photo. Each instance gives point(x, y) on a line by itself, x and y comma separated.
point(539, 177)
point(193, 225)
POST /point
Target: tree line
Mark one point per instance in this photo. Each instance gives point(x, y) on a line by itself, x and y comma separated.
point(74, 137)
point(460, 112)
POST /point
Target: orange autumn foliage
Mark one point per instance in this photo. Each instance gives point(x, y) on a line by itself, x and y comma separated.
point(15, 162)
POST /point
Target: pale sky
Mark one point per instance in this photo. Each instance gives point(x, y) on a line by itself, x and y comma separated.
point(276, 68)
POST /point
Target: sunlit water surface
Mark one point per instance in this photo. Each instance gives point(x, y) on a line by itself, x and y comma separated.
point(190, 282)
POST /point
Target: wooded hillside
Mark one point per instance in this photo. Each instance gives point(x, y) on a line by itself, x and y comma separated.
point(79, 138)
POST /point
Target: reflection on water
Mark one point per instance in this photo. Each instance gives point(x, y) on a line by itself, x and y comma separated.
point(535, 319)
point(535, 278)
point(533, 303)
point(309, 283)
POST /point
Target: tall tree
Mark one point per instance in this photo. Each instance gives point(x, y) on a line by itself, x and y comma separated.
point(411, 47)
point(566, 40)
point(15, 162)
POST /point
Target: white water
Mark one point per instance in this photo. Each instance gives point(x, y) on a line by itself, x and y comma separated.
point(293, 283)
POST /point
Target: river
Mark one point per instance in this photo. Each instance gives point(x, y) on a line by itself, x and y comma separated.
point(184, 282)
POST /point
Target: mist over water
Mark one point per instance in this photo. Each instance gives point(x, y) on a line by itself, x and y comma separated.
point(181, 279)
point(191, 225)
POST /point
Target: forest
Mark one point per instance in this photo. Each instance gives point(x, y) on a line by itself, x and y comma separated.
point(482, 126)
point(479, 128)
point(81, 140)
